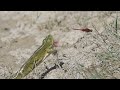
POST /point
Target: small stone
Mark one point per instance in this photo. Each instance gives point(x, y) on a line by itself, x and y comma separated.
point(6, 29)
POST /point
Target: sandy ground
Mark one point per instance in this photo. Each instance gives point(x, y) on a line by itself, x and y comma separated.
point(84, 55)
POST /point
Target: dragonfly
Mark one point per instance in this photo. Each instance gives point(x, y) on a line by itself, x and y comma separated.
point(84, 29)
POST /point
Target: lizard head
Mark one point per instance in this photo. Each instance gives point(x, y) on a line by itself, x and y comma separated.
point(48, 41)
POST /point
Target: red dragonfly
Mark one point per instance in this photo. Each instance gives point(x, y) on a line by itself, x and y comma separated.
point(84, 30)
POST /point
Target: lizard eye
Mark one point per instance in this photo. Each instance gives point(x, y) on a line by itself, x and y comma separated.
point(44, 41)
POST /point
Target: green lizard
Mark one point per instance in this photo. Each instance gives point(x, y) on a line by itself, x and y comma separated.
point(39, 55)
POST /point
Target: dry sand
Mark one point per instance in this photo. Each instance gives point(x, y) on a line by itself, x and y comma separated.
point(84, 55)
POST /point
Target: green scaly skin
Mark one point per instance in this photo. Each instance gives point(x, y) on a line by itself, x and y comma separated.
point(39, 55)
